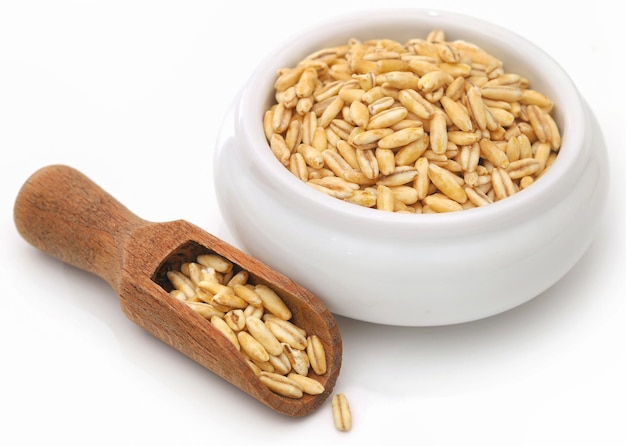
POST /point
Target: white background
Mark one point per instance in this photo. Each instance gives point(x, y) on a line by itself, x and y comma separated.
point(132, 93)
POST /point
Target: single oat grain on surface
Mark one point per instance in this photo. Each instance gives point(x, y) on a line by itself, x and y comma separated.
point(424, 126)
point(342, 416)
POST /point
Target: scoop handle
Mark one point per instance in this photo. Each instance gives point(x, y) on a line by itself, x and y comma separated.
point(65, 214)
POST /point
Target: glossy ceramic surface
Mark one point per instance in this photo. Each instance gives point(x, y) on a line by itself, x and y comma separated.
point(414, 270)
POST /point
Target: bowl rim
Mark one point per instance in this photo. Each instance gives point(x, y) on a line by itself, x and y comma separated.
point(256, 94)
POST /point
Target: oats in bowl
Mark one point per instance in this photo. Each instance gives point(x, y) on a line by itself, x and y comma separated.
point(426, 125)
point(420, 265)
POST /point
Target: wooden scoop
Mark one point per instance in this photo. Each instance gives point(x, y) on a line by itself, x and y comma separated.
point(65, 214)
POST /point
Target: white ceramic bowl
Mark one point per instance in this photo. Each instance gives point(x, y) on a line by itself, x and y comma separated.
point(414, 270)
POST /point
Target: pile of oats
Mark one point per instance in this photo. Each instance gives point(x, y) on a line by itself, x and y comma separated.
point(424, 126)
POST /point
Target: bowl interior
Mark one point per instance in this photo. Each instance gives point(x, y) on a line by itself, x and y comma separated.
point(518, 54)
